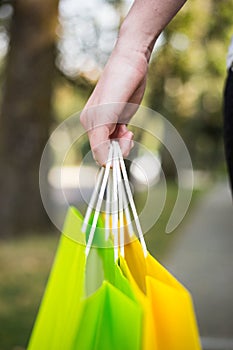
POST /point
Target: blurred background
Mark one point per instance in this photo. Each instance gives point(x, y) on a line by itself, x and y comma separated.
point(51, 56)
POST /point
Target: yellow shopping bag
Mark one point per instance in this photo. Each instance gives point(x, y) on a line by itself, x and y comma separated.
point(174, 321)
point(149, 336)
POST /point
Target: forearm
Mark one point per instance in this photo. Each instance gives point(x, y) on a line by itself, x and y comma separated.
point(124, 77)
point(144, 22)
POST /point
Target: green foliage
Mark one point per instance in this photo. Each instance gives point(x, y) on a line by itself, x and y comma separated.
point(186, 77)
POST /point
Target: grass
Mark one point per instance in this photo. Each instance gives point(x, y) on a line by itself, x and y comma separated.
point(25, 263)
point(24, 268)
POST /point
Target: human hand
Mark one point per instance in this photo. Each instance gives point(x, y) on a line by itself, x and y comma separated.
point(121, 89)
point(124, 77)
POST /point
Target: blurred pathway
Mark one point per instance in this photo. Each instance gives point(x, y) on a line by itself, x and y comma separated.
point(202, 259)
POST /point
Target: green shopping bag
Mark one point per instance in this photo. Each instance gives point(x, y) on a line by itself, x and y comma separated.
point(58, 314)
point(67, 320)
point(110, 311)
point(110, 320)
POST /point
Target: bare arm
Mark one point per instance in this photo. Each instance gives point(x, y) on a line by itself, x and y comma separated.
point(124, 76)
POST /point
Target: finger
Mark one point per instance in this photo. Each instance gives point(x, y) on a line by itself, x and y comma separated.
point(100, 143)
point(119, 131)
point(126, 143)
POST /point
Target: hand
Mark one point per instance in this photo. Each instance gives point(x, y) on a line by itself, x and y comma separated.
point(123, 80)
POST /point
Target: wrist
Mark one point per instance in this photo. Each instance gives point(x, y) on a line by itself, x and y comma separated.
point(133, 39)
point(140, 28)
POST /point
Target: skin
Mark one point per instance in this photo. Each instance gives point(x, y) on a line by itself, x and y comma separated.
point(124, 76)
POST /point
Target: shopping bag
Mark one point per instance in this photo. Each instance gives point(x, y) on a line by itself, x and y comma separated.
point(116, 295)
point(148, 330)
point(173, 314)
point(58, 314)
point(69, 320)
point(112, 314)
point(110, 320)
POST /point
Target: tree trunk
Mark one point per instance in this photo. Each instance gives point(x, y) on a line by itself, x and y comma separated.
point(26, 114)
